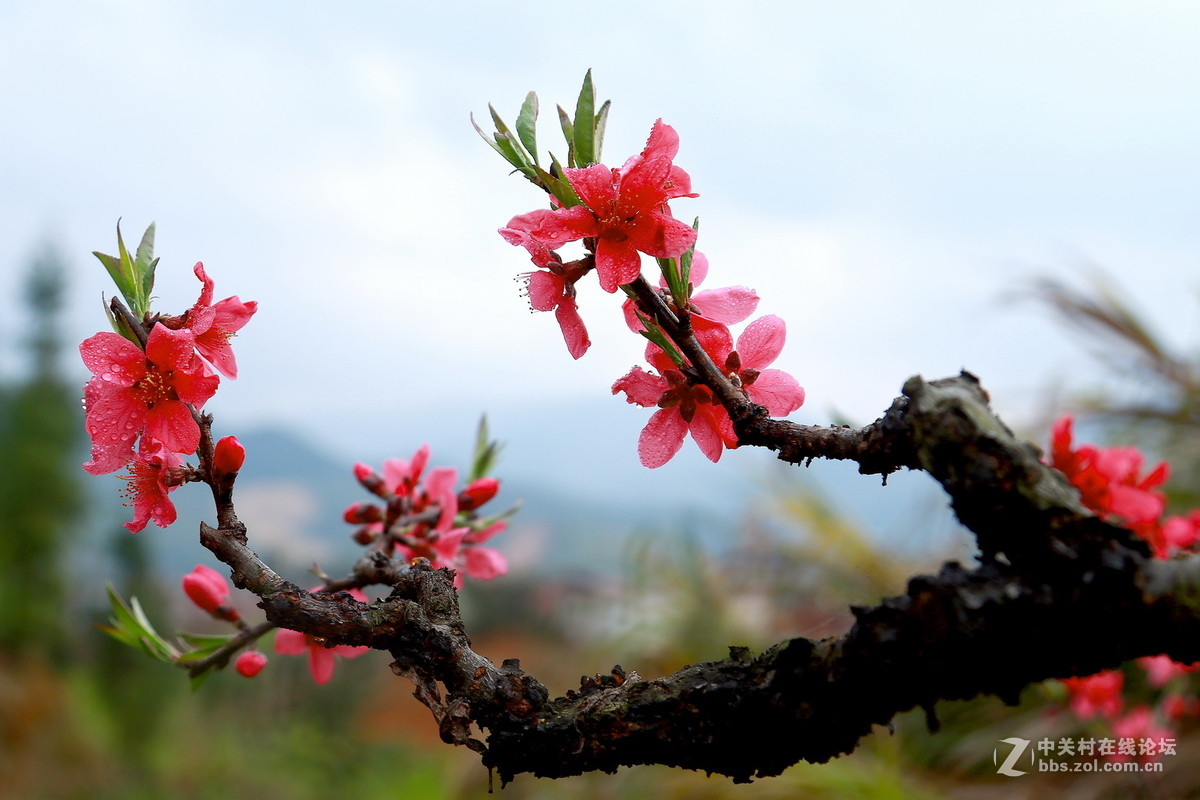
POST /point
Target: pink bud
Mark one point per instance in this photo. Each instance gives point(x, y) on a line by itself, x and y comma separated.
point(357, 513)
point(208, 589)
point(229, 455)
point(370, 479)
point(365, 536)
point(478, 492)
point(250, 663)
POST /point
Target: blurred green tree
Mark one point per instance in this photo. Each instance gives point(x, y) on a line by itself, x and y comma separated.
point(40, 496)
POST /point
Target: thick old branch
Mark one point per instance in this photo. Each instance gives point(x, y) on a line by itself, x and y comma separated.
point(1057, 593)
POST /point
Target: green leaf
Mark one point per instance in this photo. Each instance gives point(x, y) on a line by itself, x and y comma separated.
point(568, 129)
point(486, 522)
point(113, 266)
point(486, 452)
point(133, 276)
point(487, 138)
point(559, 186)
point(120, 326)
point(131, 626)
point(145, 249)
point(527, 124)
point(144, 264)
point(584, 138)
point(502, 143)
point(512, 152)
point(601, 123)
point(657, 335)
point(203, 647)
point(213, 640)
point(685, 261)
point(671, 274)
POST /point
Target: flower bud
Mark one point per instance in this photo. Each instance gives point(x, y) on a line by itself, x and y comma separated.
point(250, 663)
point(478, 492)
point(365, 535)
point(228, 456)
point(370, 479)
point(358, 513)
point(208, 589)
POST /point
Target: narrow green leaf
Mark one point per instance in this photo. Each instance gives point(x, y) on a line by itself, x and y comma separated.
point(501, 127)
point(560, 187)
point(685, 261)
point(199, 654)
point(669, 267)
point(527, 124)
point(113, 266)
point(487, 138)
point(145, 249)
point(213, 640)
point(585, 123)
point(568, 129)
point(601, 124)
point(131, 626)
point(486, 452)
point(512, 152)
point(486, 522)
point(144, 265)
point(122, 616)
point(120, 326)
point(148, 281)
point(659, 337)
point(126, 261)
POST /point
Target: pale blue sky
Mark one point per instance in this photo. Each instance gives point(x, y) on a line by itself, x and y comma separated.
point(881, 173)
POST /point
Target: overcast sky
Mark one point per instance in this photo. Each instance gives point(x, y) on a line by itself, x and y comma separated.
point(883, 174)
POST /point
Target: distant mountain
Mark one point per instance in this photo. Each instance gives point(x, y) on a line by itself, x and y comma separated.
point(575, 514)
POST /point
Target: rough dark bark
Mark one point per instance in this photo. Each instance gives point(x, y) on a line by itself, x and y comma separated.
point(1057, 592)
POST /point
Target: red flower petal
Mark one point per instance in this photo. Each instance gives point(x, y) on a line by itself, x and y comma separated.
point(289, 642)
point(617, 262)
point(778, 391)
point(171, 423)
point(113, 358)
point(484, 563)
point(662, 437)
point(545, 290)
point(641, 388)
point(727, 306)
point(761, 342)
point(573, 330)
point(320, 663)
point(660, 235)
point(706, 431)
point(596, 186)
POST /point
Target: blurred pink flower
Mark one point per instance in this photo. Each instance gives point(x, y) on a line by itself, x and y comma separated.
point(320, 658)
point(1097, 695)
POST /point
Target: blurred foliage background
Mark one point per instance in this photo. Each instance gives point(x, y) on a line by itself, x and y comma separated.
point(83, 717)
